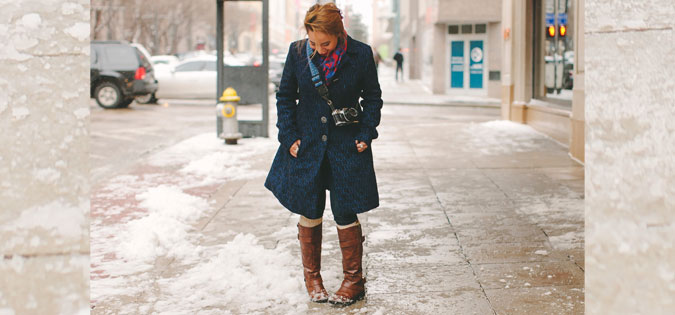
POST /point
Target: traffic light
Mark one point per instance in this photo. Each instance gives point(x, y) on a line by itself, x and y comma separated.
point(563, 30)
point(550, 31)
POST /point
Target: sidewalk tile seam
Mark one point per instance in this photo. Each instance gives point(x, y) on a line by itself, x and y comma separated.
point(416, 292)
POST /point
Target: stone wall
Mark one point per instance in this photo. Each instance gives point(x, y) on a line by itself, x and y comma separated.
point(630, 155)
point(44, 147)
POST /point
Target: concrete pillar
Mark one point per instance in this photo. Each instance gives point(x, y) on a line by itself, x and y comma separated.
point(630, 156)
point(415, 64)
point(578, 96)
point(440, 61)
point(507, 59)
point(494, 56)
point(44, 157)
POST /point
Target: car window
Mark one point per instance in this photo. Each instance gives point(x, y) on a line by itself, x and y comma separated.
point(121, 57)
point(210, 66)
point(144, 58)
point(94, 57)
point(190, 66)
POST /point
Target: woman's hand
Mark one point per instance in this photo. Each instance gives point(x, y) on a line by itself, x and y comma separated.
point(361, 146)
point(294, 148)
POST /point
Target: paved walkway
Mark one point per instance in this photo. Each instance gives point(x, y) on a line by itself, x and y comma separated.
point(476, 216)
point(417, 92)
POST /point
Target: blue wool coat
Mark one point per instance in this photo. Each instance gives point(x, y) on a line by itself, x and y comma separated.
point(295, 182)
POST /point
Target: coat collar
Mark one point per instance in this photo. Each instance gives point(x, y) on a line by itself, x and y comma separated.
point(351, 45)
point(349, 54)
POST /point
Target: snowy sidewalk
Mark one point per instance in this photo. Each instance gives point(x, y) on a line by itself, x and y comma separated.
point(415, 92)
point(476, 216)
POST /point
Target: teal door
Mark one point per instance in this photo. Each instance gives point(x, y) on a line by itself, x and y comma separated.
point(476, 64)
point(457, 64)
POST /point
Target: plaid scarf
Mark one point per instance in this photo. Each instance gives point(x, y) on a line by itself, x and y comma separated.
point(329, 63)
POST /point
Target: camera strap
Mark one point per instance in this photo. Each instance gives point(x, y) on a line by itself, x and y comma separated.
point(316, 78)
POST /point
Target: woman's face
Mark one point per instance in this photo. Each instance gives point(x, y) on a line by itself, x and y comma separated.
point(323, 43)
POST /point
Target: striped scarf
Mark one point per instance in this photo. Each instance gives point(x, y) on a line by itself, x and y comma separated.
point(330, 63)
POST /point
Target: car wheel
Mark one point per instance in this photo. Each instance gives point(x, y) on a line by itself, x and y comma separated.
point(146, 99)
point(108, 95)
point(125, 103)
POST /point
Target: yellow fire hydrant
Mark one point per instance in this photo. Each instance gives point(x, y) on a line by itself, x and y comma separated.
point(226, 111)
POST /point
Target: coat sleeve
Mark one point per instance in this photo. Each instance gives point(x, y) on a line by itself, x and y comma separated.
point(371, 102)
point(287, 97)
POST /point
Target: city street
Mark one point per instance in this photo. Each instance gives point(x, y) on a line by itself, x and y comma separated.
point(476, 216)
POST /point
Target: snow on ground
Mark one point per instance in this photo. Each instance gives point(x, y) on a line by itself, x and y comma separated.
point(241, 274)
point(140, 219)
point(502, 136)
point(206, 160)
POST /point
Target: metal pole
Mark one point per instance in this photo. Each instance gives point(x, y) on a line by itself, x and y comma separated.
point(266, 49)
point(219, 48)
point(397, 24)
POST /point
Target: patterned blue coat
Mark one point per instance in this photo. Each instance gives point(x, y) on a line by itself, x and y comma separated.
point(295, 181)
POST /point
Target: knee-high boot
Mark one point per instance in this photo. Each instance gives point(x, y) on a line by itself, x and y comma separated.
point(310, 247)
point(353, 285)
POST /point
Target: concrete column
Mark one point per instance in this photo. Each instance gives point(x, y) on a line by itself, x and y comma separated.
point(521, 63)
point(494, 56)
point(630, 156)
point(578, 96)
point(507, 59)
point(415, 64)
point(44, 157)
point(440, 61)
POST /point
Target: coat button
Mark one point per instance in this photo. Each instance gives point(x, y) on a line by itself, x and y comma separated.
point(324, 138)
point(324, 120)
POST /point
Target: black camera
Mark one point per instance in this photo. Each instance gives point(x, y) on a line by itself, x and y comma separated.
point(345, 116)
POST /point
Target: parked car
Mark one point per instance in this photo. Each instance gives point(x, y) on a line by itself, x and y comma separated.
point(150, 97)
point(169, 60)
point(192, 78)
point(118, 73)
point(276, 69)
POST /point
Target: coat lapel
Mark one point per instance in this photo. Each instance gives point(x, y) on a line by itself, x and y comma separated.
point(346, 58)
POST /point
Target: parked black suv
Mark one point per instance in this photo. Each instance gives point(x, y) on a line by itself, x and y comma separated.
point(119, 72)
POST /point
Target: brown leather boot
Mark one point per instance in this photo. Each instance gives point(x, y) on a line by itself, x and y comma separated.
point(310, 247)
point(353, 286)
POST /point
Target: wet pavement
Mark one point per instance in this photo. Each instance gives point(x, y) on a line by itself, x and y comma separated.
point(476, 216)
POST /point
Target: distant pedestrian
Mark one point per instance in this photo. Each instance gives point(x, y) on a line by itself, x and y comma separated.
point(325, 148)
point(399, 63)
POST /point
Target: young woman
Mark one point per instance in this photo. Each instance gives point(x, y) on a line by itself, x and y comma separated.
point(325, 144)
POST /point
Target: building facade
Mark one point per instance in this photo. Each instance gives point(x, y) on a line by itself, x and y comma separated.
point(542, 82)
point(454, 46)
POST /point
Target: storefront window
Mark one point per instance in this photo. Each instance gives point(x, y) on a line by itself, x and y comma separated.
point(554, 60)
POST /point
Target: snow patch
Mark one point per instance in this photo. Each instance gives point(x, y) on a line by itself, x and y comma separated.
point(568, 240)
point(7, 311)
point(164, 232)
point(70, 8)
point(502, 136)
point(241, 274)
point(204, 159)
point(59, 218)
point(47, 175)
point(3, 101)
point(81, 113)
point(79, 31)
point(31, 20)
point(20, 113)
point(541, 252)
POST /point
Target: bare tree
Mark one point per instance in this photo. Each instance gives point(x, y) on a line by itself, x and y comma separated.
point(163, 27)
